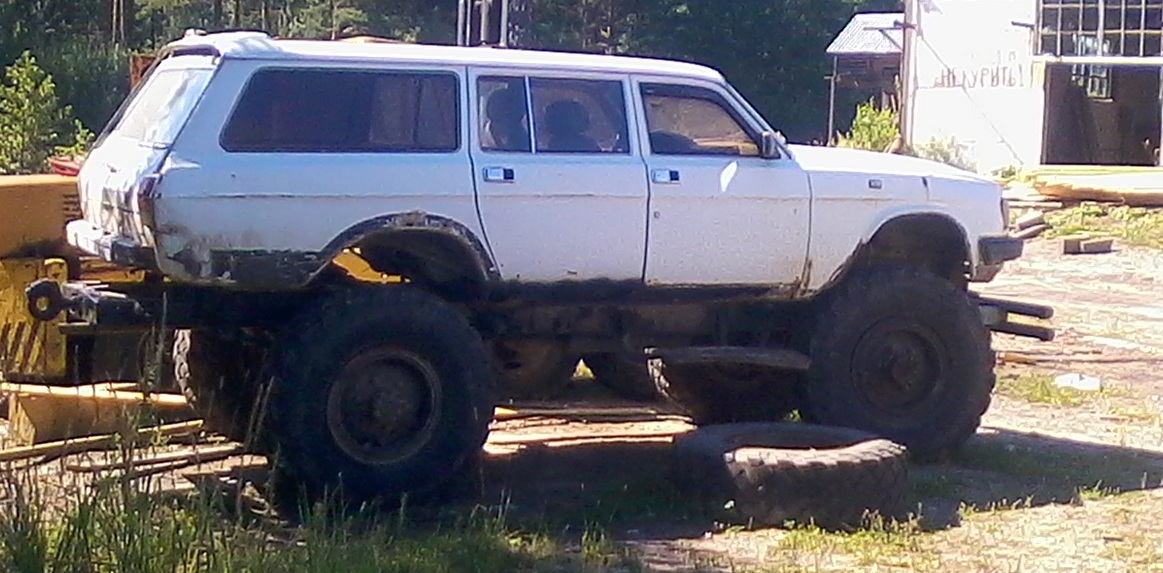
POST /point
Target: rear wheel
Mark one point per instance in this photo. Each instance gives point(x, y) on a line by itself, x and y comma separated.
point(629, 379)
point(904, 354)
point(533, 369)
point(723, 394)
point(380, 392)
point(220, 375)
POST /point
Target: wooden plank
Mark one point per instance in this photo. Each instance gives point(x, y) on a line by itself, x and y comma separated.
point(76, 445)
point(196, 454)
point(1031, 232)
point(98, 393)
point(38, 413)
point(502, 414)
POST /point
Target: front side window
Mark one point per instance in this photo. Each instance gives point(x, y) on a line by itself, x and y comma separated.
point(345, 111)
point(693, 121)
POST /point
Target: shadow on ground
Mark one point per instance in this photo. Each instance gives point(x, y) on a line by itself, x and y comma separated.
point(1006, 469)
point(626, 484)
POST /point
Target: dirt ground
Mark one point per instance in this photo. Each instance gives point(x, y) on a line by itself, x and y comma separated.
point(1054, 481)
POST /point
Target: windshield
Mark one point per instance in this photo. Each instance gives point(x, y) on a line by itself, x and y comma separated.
point(158, 111)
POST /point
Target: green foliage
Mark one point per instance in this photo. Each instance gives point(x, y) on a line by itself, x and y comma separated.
point(91, 75)
point(947, 151)
point(875, 128)
point(778, 72)
point(33, 124)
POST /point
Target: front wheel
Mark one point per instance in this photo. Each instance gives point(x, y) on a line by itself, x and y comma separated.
point(903, 354)
point(380, 392)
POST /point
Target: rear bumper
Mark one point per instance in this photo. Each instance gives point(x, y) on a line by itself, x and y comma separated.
point(118, 250)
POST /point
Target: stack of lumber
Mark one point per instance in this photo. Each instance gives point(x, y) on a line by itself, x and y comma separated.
point(1134, 186)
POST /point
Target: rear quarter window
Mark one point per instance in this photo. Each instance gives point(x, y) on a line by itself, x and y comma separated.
point(283, 110)
point(162, 106)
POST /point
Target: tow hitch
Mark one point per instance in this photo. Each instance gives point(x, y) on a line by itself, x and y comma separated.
point(996, 314)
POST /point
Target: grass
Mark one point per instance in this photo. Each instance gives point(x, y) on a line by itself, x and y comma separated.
point(882, 544)
point(116, 526)
point(1133, 225)
point(1038, 388)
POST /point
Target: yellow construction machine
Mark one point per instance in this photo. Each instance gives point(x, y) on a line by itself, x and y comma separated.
point(33, 212)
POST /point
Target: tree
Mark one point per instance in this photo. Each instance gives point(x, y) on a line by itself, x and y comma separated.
point(33, 125)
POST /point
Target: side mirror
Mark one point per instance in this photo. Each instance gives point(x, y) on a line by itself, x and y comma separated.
point(770, 148)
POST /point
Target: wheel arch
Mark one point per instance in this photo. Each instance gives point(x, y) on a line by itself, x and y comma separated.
point(441, 254)
point(930, 239)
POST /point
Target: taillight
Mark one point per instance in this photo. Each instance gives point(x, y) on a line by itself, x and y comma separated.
point(146, 196)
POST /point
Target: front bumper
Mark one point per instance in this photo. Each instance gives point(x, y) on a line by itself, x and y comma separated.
point(992, 253)
point(122, 251)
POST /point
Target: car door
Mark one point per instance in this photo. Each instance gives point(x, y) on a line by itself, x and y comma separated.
point(720, 214)
point(559, 179)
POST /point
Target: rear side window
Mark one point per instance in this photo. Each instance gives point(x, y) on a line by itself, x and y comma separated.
point(579, 116)
point(162, 106)
point(345, 111)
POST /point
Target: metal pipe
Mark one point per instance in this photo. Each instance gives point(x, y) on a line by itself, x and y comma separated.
point(504, 35)
point(832, 100)
point(462, 22)
point(486, 8)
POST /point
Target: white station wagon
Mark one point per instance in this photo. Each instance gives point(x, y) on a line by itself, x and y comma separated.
point(515, 211)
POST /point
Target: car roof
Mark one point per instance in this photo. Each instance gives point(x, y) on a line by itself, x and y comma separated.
point(260, 46)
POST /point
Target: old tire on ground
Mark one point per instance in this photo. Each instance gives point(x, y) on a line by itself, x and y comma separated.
point(220, 377)
point(903, 354)
point(769, 474)
point(629, 379)
point(380, 392)
point(533, 370)
point(713, 394)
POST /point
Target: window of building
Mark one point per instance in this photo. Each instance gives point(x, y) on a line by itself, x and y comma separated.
point(1100, 27)
point(345, 111)
point(1094, 80)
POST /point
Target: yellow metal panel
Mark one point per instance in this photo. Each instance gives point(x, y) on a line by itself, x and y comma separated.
point(350, 261)
point(29, 349)
point(34, 210)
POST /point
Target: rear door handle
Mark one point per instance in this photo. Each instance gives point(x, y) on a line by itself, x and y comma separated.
point(500, 175)
point(665, 176)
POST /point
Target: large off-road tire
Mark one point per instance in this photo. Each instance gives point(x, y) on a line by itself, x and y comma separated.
point(771, 474)
point(903, 354)
point(712, 394)
point(220, 375)
point(626, 378)
point(380, 392)
point(533, 370)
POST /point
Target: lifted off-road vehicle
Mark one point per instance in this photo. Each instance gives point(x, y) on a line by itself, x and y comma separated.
point(369, 244)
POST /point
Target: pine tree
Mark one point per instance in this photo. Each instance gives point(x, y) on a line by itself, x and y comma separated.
point(33, 124)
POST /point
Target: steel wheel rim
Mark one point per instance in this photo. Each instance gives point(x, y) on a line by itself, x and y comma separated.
point(899, 365)
point(384, 405)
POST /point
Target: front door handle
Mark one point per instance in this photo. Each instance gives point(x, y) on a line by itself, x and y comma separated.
point(500, 175)
point(665, 176)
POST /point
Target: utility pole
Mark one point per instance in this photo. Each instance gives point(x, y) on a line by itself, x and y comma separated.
point(908, 87)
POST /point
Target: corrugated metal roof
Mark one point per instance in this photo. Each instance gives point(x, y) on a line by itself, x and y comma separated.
point(870, 34)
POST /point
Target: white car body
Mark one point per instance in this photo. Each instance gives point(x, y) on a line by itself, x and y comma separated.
point(790, 223)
